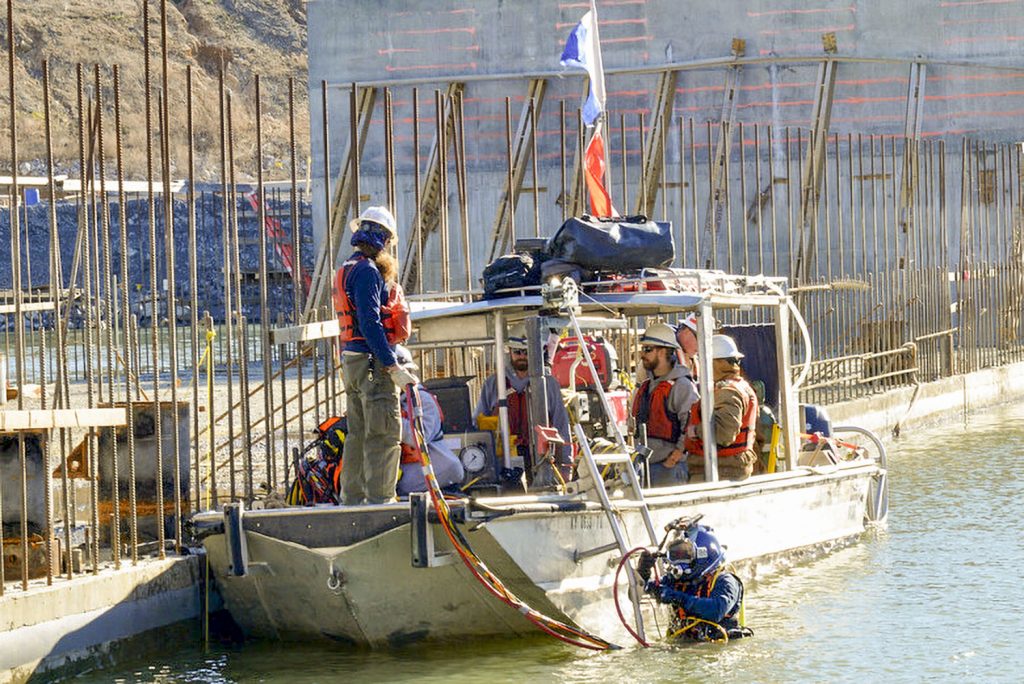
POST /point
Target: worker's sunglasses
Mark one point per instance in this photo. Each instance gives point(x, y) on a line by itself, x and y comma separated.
point(647, 349)
point(517, 352)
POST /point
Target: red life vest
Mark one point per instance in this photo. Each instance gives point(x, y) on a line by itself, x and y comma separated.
point(748, 423)
point(519, 417)
point(394, 311)
point(652, 410)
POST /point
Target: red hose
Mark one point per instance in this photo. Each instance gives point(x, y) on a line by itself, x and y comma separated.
point(491, 583)
point(615, 594)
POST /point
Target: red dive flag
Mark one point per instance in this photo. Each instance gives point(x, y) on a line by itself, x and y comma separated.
point(600, 202)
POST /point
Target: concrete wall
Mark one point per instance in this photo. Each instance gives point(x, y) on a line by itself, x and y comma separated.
point(52, 629)
point(451, 39)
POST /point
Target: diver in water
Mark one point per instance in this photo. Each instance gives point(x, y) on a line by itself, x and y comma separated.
point(707, 599)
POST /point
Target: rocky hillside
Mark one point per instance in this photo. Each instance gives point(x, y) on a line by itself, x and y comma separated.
point(242, 38)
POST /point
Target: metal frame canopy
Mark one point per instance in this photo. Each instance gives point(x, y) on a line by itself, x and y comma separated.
point(444, 324)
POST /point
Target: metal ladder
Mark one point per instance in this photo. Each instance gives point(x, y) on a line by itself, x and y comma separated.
point(594, 464)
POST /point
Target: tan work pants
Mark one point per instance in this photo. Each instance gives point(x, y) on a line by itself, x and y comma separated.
point(372, 453)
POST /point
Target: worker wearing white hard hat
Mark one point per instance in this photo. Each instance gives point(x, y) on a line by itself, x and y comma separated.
point(734, 421)
point(373, 317)
point(686, 336)
point(517, 384)
point(662, 403)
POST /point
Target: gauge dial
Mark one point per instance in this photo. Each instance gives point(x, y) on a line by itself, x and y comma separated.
point(473, 458)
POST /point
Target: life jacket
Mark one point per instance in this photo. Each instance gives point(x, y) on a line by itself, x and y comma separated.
point(731, 625)
point(748, 423)
point(519, 417)
point(394, 311)
point(651, 409)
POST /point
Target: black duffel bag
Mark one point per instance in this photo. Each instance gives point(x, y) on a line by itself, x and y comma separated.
point(614, 244)
point(510, 271)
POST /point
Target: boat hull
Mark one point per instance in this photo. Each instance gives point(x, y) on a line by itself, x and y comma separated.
point(346, 574)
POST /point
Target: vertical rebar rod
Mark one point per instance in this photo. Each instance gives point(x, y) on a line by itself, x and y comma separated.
point(193, 278)
point(682, 194)
point(229, 295)
point(172, 300)
point(441, 110)
point(463, 184)
point(128, 329)
point(417, 191)
point(83, 218)
point(533, 162)
point(510, 190)
point(624, 143)
point(58, 332)
point(265, 345)
point(564, 191)
point(108, 313)
point(771, 198)
point(153, 289)
point(743, 201)
point(693, 195)
point(242, 334)
point(298, 282)
point(19, 323)
point(353, 145)
point(758, 194)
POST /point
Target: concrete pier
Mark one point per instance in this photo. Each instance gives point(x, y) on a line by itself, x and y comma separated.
point(49, 631)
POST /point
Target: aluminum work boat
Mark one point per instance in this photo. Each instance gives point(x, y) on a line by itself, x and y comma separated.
point(388, 575)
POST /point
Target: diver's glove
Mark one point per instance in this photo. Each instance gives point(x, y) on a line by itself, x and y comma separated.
point(645, 564)
point(670, 594)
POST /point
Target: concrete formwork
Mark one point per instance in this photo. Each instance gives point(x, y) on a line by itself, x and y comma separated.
point(937, 73)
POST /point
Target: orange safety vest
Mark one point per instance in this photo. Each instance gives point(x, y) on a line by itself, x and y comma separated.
point(748, 423)
point(652, 409)
point(394, 312)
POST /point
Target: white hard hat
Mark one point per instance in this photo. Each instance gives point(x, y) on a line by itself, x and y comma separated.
point(689, 321)
point(381, 216)
point(724, 347)
point(660, 335)
point(517, 337)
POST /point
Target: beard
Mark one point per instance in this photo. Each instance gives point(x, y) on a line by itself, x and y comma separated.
point(520, 364)
point(649, 364)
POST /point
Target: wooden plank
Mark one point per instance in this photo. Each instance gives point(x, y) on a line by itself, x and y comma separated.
point(317, 330)
point(26, 307)
point(43, 419)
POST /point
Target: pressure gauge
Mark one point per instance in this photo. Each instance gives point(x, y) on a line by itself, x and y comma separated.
point(473, 458)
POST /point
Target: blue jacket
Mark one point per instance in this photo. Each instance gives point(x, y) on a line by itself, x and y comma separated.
point(723, 599)
point(365, 288)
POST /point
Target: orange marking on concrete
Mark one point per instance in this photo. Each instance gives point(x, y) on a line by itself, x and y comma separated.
point(637, 39)
point(976, 2)
point(422, 67)
point(997, 20)
point(605, 3)
point(851, 10)
point(817, 29)
point(982, 39)
point(602, 22)
point(471, 30)
point(971, 96)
